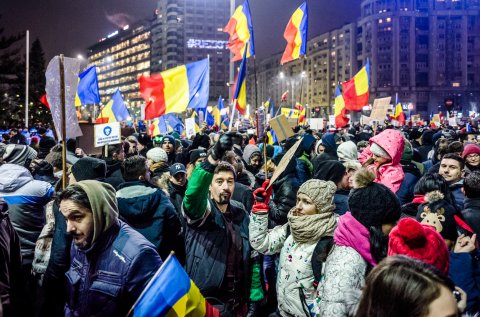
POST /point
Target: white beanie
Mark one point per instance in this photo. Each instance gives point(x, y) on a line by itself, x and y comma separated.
point(379, 151)
point(157, 155)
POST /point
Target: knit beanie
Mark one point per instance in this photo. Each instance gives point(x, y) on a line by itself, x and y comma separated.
point(407, 154)
point(3, 148)
point(89, 168)
point(157, 155)
point(196, 154)
point(471, 149)
point(378, 150)
point(18, 154)
point(372, 204)
point(308, 141)
point(418, 241)
point(329, 170)
point(170, 139)
point(438, 213)
point(320, 192)
point(249, 151)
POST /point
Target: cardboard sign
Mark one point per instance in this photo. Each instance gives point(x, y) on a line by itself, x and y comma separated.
point(189, 127)
point(380, 108)
point(108, 133)
point(284, 162)
point(281, 127)
point(290, 113)
point(316, 123)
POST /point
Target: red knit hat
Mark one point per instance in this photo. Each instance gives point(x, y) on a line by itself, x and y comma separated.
point(471, 149)
point(420, 242)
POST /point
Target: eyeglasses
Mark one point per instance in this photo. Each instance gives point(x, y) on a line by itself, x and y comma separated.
point(473, 155)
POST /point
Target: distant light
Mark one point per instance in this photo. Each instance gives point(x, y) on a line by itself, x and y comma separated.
point(126, 27)
point(129, 118)
point(112, 34)
point(80, 57)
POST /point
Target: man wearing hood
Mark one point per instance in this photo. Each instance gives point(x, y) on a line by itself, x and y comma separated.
point(111, 262)
point(252, 158)
point(148, 209)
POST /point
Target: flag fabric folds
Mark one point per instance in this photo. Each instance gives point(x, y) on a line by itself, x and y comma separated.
point(172, 293)
point(355, 90)
point(44, 101)
point(301, 115)
point(159, 126)
point(87, 90)
point(399, 115)
point(296, 35)
point(285, 96)
point(240, 95)
point(114, 111)
point(341, 112)
point(176, 89)
point(224, 119)
point(240, 29)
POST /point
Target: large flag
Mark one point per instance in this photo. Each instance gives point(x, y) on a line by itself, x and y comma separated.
point(176, 89)
point(171, 292)
point(240, 28)
point(399, 115)
point(53, 91)
point(114, 111)
point(296, 35)
point(240, 95)
point(224, 119)
point(355, 90)
point(87, 91)
point(340, 113)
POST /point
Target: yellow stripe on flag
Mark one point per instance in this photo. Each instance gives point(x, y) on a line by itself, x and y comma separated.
point(296, 20)
point(241, 28)
point(361, 81)
point(339, 105)
point(176, 89)
point(191, 304)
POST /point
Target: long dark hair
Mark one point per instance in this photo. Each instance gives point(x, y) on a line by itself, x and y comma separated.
point(378, 243)
point(401, 286)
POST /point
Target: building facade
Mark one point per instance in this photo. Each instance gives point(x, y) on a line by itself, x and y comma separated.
point(120, 58)
point(427, 51)
point(185, 31)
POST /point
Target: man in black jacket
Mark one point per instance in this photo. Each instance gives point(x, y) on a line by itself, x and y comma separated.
point(471, 211)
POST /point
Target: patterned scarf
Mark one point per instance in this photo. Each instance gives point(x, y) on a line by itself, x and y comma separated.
point(311, 228)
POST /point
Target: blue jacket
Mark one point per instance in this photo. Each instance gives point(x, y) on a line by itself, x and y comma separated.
point(149, 211)
point(107, 279)
point(406, 192)
point(465, 273)
point(456, 190)
point(341, 201)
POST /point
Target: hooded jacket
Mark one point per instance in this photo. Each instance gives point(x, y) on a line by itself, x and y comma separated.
point(107, 278)
point(347, 152)
point(391, 173)
point(26, 199)
point(149, 211)
point(412, 175)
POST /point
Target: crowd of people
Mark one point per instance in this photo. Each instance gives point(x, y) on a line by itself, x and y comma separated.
point(359, 222)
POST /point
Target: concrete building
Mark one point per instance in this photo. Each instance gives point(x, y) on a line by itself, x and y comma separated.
point(120, 58)
point(186, 31)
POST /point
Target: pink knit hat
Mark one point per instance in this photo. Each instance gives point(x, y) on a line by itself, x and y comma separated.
point(471, 149)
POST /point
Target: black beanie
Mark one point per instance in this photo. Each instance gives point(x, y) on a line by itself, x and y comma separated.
point(372, 204)
point(329, 171)
point(89, 168)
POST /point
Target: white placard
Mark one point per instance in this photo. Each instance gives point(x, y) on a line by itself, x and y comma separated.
point(190, 127)
point(108, 133)
point(452, 122)
point(331, 120)
point(316, 123)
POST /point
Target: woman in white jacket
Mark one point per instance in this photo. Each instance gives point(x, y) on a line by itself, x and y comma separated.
point(308, 232)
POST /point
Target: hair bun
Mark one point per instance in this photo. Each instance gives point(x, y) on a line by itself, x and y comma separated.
point(362, 178)
point(412, 232)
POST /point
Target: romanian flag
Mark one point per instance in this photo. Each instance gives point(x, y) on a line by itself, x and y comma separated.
point(114, 111)
point(240, 95)
point(44, 101)
point(341, 119)
point(172, 293)
point(176, 89)
point(240, 28)
point(195, 117)
point(296, 35)
point(285, 96)
point(159, 126)
point(355, 90)
point(301, 109)
point(224, 120)
point(399, 115)
point(87, 91)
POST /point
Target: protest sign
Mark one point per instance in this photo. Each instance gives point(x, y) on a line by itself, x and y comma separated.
point(108, 133)
point(281, 127)
point(380, 108)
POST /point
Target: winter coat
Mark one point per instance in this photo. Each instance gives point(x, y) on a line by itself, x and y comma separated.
point(412, 175)
point(26, 199)
point(149, 211)
point(208, 239)
point(11, 267)
point(465, 273)
point(176, 197)
point(341, 202)
point(295, 274)
point(114, 173)
point(244, 195)
point(391, 173)
point(284, 195)
point(107, 279)
point(304, 169)
point(471, 213)
point(458, 195)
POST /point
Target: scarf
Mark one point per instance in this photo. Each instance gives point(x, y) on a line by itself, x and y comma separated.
point(351, 233)
point(311, 228)
point(418, 199)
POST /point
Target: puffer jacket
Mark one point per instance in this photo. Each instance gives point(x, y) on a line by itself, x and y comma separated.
point(284, 195)
point(26, 199)
point(295, 274)
point(391, 173)
point(107, 279)
point(345, 272)
point(149, 211)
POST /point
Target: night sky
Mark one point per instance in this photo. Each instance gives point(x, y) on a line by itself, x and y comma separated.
point(70, 26)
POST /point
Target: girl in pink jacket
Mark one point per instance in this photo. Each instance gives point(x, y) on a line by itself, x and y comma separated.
point(383, 157)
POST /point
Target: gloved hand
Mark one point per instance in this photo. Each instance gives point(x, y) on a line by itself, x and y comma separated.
point(262, 197)
point(224, 144)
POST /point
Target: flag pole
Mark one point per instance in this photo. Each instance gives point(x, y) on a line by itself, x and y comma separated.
point(232, 116)
point(64, 125)
point(27, 75)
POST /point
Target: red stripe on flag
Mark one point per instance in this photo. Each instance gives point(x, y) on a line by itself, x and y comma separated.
point(290, 33)
point(352, 101)
point(101, 120)
point(44, 100)
point(152, 91)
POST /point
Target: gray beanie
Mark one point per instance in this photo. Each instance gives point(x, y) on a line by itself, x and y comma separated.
point(157, 155)
point(320, 192)
point(18, 154)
